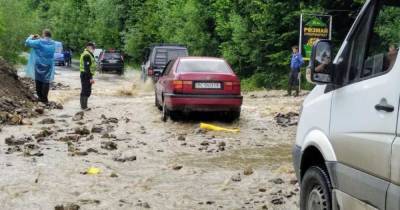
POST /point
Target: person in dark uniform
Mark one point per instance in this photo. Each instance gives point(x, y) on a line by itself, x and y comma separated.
point(88, 70)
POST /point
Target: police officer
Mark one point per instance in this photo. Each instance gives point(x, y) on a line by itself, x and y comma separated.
point(88, 70)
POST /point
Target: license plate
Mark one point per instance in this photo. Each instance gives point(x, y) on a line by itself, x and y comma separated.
point(113, 61)
point(207, 85)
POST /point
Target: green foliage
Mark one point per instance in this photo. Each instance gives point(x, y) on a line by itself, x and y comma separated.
point(16, 23)
point(255, 36)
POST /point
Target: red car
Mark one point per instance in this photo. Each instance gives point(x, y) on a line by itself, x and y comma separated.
point(198, 84)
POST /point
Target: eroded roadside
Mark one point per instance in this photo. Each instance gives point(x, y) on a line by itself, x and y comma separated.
point(145, 163)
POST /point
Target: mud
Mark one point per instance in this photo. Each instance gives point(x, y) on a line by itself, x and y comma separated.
point(145, 163)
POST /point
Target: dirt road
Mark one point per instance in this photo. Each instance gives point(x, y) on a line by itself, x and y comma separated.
point(143, 162)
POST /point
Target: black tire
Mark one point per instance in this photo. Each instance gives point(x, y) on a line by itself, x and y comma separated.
point(174, 115)
point(316, 189)
point(157, 103)
point(164, 112)
point(233, 115)
point(121, 72)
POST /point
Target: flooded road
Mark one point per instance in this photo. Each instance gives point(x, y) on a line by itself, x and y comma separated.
point(145, 163)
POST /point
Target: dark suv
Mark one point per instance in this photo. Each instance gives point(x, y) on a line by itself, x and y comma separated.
point(111, 60)
point(157, 56)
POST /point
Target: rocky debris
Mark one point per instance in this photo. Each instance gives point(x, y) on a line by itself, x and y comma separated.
point(125, 157)
point(288, 119)
point(69, 138)
point(78, 116)
point(12, 141)
point(108, 136)
point(277, 201)
point(16, 98)
point(83, 131)
point(13, 149)
point(111, 120)
point(47, 121)
point(181, 137)
point(32, 150)
point(204, 143)
point(68, 206)
point(293, 181)
point(113, 175)
point(92, 150)
point(53, 105)
point(177, 167)
point(39, 110)
point(97, 129)
point(109, 145)
point(262, 190)
point(59, 86)
point(143, 204)
point(248, 171)
point(236, 178)
point(277, 181)
point(221, 146)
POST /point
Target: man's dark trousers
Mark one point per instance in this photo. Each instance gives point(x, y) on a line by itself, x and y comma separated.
point(294, 81)
point(42, 90)
point(86, 89)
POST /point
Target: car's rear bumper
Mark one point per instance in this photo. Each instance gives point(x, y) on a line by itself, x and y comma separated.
point(113, 66)
point(189, 102)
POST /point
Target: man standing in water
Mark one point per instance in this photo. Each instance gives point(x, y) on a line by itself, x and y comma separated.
point(295, 65)
point(88, 70)
point(42, 63)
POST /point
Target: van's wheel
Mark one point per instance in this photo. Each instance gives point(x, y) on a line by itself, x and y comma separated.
point(165, 112)
point(316, 190)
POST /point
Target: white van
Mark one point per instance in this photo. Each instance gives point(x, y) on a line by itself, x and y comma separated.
point(347, 152)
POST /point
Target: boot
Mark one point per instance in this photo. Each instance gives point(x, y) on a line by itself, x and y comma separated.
point(83, 102)
point(297, 93)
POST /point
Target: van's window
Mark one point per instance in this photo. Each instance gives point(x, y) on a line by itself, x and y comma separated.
point(196, 65)
point(384, 41)
point(358, 47)
point(163, 55)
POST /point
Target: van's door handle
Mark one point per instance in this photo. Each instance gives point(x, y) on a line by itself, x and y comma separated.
point(384, 106)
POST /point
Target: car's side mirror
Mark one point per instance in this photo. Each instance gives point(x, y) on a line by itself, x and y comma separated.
point(321, 64)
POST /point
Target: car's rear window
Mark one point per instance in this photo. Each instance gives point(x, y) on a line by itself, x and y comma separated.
point(195, 65)
point(164, 55)
point(112, 55)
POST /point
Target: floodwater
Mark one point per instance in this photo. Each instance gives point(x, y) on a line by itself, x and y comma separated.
point(176, 165)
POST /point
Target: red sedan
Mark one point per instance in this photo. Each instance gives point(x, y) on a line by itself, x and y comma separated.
point(198, 84)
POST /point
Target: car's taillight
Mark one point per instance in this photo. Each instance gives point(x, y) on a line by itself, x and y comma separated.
point(150, 71)
point(179, 85)
point(232, 86)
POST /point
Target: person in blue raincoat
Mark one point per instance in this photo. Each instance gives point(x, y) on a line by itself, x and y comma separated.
point(41, 63)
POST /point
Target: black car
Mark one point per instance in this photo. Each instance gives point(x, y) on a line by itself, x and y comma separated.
point(157, 56)
point(111, 60)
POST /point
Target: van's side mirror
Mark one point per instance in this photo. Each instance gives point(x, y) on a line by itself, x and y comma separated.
point(321, 63)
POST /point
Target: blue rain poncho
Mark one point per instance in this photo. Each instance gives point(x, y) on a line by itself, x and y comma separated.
point(41, 60)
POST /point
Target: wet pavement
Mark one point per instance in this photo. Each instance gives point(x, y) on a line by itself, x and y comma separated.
point(145, 163)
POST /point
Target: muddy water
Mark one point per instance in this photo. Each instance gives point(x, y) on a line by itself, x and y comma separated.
point(176, 167)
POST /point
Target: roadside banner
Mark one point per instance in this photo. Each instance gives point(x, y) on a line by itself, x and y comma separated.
point(312, 28)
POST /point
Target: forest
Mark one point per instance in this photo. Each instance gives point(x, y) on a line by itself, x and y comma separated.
point(255, 36)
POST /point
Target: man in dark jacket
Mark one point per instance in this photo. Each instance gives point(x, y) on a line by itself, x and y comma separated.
point(88, 70)
point(295, 65)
